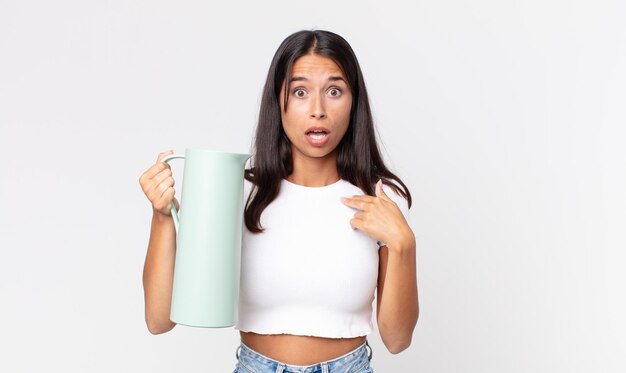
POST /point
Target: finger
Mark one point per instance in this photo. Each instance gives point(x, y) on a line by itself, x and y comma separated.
point(361, 215)
point(361, 224)
point(359, 202)
point(153, 170)
point(161, 187)
point(356, 203)
point(379, 190)
point(150, 185)
point(362, 197)
point(367, 226)
point(369, 220)
point(165, 200)
point(164, 154)
point(164, 175)
point(157, 189)
point(356, 223)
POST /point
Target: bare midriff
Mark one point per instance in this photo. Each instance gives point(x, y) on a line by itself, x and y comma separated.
point(300, 350)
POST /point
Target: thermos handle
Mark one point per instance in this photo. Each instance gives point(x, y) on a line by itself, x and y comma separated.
point(172, 207)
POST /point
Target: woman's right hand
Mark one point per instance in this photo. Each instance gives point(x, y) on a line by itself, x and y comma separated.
point(158, 272)
point(157, 184)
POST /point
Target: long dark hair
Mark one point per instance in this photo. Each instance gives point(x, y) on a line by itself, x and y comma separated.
point(358, 157)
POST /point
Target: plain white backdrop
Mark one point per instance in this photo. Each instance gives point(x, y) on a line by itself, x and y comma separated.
point(505, 118)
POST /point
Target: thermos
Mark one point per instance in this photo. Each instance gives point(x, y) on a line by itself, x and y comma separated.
point(208, 238)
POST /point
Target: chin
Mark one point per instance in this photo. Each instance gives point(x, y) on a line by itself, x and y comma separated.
point(317, 153)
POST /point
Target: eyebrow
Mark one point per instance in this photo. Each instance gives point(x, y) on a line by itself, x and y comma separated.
point(330, 79)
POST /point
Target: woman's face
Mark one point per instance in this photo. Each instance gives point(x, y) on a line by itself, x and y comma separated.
point(318, 111)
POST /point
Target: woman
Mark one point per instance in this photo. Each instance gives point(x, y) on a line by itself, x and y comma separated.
point(325, 223)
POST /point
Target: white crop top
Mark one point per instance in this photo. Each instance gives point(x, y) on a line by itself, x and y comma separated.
point(309, 273)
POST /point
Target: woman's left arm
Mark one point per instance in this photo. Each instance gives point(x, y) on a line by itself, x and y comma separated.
point(397, 302)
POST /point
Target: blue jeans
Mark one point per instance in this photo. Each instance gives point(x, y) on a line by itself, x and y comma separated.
point(356, 361)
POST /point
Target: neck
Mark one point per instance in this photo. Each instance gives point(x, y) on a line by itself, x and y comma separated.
point(314, 172)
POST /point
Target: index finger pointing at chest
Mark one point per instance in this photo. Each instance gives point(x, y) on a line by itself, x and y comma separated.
point(357, 202)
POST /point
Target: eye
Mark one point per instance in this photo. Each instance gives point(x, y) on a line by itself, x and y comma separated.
point(334, 92)
point(299, 92)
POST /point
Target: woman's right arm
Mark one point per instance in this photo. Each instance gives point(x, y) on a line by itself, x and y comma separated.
point(158, 272)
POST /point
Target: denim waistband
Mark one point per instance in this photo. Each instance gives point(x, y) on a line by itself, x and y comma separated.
point(354, 360)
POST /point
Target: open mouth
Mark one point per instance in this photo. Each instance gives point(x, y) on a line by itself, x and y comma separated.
point(317, 134)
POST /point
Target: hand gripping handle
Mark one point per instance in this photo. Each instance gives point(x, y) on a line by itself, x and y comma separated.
point(172, 207)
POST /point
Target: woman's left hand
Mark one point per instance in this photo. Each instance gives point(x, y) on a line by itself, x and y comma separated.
point(380, 218)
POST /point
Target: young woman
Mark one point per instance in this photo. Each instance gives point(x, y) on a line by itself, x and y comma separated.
point(325, 223)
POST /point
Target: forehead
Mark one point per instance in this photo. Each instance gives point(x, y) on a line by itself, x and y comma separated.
point(312, 65)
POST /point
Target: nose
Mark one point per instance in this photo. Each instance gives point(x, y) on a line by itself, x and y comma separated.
point(317, 110)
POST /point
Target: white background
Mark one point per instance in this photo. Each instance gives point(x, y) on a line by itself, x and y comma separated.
point(505, 118)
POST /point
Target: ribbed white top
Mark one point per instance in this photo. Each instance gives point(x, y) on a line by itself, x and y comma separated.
point(309, 272)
